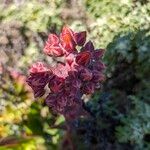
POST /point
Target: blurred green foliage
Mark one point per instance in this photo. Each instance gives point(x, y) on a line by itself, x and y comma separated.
point(120, 112)
point(35, 15)
point(136, 124)
point(110, 18)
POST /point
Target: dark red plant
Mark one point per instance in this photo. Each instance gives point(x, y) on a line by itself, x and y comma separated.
point(80, 72)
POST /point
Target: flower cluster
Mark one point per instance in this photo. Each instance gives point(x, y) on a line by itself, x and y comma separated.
point(80, 72)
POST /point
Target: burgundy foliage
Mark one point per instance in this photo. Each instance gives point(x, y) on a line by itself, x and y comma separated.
point(81, 72)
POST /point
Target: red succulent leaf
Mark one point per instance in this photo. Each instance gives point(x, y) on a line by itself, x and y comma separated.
point(98, 53)
point(52, 47)
point(89, 46)
point(83, 58)
point(53, 39)
point(70, 59)
point(88, 88)
point(98, 76)
point(67, 30)
point(60, 71)
point(72, 75)
point(99, 66)
point(86, 74)
point(38, 67)
point(37, 82)
point(76, 83)
point(50, 99)
point(53, 50)
point(62, 101)
point(67, 42)
point(80, 38)
point(56, 84)
point(73, 111)
point(39, 92)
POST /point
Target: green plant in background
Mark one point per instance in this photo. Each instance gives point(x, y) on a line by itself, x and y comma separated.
point(24, 124)
point(129, 55)
point(111, 17)
point(35, 15)
point(26, 21)
point(135, 126)
point(128, 74)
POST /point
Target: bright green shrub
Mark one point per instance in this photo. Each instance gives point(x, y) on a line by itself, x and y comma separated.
point(111, 18)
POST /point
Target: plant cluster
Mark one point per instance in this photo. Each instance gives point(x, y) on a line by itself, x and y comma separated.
point(77, 73)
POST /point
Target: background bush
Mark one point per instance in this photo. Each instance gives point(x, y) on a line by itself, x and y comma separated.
point(121, 110)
